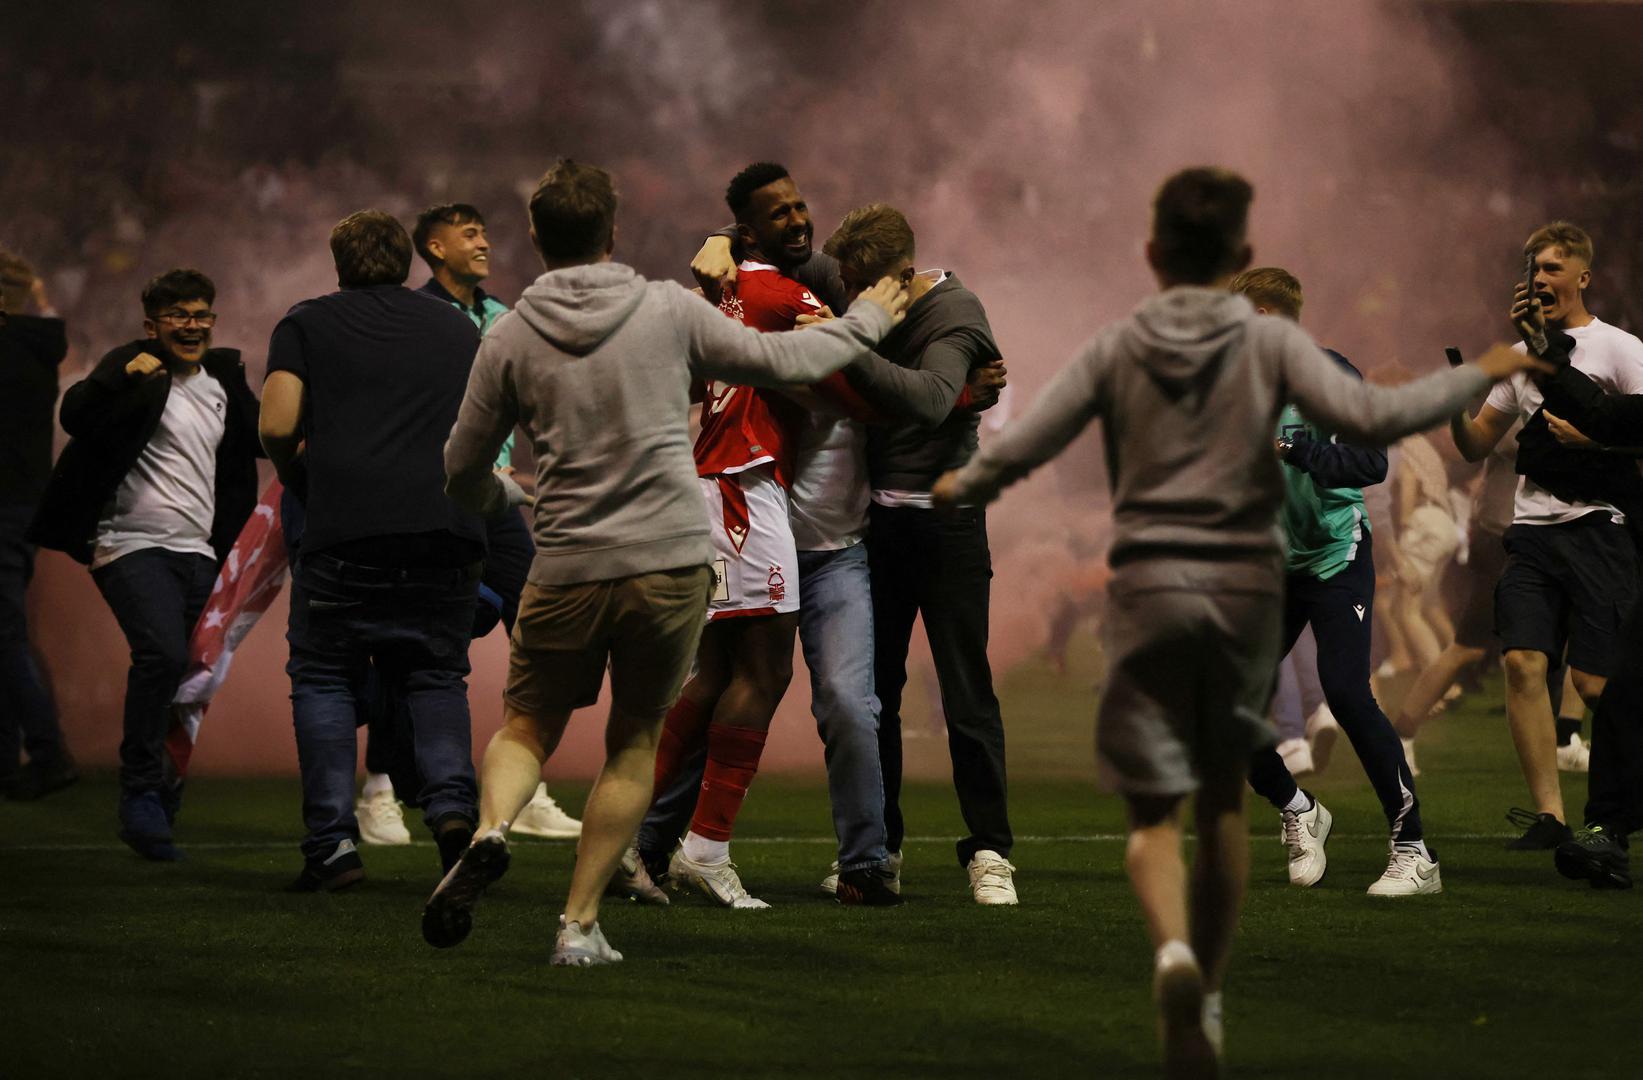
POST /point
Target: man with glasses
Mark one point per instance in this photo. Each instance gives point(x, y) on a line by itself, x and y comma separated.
point(157, 479)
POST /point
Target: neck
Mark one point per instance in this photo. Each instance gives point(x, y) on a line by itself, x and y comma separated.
point(1576, 318)
point(462, 290)
point(551, 265)
point(919, 286)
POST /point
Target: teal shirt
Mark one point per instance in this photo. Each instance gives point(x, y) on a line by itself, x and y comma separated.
point(1322, 526)
point(486, 310)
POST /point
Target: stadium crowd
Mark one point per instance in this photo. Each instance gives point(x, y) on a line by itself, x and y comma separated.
point(704, 488)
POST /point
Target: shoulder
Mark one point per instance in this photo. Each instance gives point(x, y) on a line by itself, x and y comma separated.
point(1615, 342)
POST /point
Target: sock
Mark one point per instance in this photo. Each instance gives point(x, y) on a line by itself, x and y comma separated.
point(1174, 951)
point(681, 731)
point(376, 783)
point(1566, 729)
point(732, 759)
point(701, 849)
point(1300, 804)
point(1420, 846)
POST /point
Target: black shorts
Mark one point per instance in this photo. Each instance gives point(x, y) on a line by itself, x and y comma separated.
point(1572, 584)
point(1469, 588)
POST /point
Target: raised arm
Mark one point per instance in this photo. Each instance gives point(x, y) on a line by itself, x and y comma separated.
point(724, 349)
point(488, 414)
point(1062, 410)
point(1611, 419)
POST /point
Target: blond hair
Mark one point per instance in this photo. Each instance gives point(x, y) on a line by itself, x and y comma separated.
point(1566, 236)
point(871, 239)
point(1271, 287)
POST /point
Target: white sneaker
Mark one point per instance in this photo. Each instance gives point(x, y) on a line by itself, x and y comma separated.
point(991, 879)
point(576, 947)
point(1408, 873)
point(381, 820)
point(632, 881)
point(1574, 756)
point(1178, 992)
point(1321, 732)
point(830, 883)
point(543, 817)
point(1409, 756)
point(717, 881)
point(1305, 835)
point(1297, 755)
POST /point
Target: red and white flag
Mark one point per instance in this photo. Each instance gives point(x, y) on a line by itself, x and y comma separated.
point(250, 578)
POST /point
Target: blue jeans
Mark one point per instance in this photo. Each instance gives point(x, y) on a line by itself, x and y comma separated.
point(156, 596)
point(413, 625)
point(836, 633)
point(27, 714)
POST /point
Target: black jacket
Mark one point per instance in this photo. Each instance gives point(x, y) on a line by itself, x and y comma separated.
point(30, 350)
point(110, 417)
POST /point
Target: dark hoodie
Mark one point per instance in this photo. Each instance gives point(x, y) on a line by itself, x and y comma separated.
point(596, 363)
point(1189, 389)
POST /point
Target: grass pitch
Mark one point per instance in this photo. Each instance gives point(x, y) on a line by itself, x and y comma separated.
point(117, 967)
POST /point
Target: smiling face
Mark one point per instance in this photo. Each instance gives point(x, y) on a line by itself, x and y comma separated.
point(462, 249)
point(1560, 282)
point(183, 329)
point(777, 224)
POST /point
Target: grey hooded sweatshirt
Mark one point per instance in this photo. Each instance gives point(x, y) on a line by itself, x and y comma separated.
point(1189, 389)
point(596, 363)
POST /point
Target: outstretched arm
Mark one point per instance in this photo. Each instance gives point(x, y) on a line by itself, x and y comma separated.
point(488, 414)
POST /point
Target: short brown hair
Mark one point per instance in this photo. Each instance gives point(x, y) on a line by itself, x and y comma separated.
point(16, 281)
point(871, 239)
point(370, 247)
point(175, 287)
point(573, 211)
point(1574, 241)
point(1271, 287)
point(1199, 220)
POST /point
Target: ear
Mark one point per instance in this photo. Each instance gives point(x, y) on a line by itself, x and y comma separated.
point(436, 249)
point(1585, 279)
point(745, 237)
point(151, 329)
point(907, 274)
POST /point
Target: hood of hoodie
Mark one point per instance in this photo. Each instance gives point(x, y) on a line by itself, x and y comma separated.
point(1185, 331)
point(577, 308)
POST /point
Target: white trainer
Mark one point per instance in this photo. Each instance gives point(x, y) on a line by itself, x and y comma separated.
point(1322, 730)
point(1178, 993)
point(992, 880)
point(632, 881)
point(1297, 755)
point(543, 817)
point(1409, 756)
point(579, 947)
point(381, 820)
point(1408, 873)
point(1305, 835)
point(717, 881)
point(830, 883)
point(1574, 756)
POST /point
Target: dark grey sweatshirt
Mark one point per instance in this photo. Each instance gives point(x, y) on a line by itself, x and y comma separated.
point(596, 363)
point(1188, 389)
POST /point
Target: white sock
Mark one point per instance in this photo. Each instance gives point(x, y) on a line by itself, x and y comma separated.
point(1174, 952)
point(1300, 804)
point(701, 849)
point(376, 783)
point(1415, 845)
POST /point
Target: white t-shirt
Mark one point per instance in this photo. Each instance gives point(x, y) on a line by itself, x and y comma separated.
point(1614, 360)
point(828, 503)
point(168, 499)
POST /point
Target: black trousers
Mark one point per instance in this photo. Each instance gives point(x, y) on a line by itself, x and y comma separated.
point(939, 567)
point(1614, 793)
point(1341, 613)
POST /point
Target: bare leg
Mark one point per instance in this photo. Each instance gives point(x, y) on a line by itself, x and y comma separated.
point(1529, 709)
point(1430, 687)
point(513, 765)
point(1423, 640)
point(1220, 873)
point(614, 809)
point(1152, 858)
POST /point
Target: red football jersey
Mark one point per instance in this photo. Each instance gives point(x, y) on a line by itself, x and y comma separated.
point(743, 426)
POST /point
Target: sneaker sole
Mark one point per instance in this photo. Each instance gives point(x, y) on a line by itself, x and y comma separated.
point(151, 848)
point(448, 918)
point(1188, 1053)
point(580, 959)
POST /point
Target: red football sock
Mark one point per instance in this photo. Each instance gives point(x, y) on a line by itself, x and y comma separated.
point(683, 729)
point(732, 759)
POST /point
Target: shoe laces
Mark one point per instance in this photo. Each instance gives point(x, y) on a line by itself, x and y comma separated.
point(1402, 863)
point(1521, 818)
point(994, 872)
point(1292, 831)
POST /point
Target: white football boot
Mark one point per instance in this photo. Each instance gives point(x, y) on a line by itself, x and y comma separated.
point(543, 817)
point(717, 881)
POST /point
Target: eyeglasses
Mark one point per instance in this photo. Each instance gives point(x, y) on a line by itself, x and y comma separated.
point(182, 318)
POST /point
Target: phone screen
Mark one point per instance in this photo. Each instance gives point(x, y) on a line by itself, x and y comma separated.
point(1455, 359)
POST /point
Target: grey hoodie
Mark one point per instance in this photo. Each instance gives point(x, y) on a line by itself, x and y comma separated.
point(596, 363)
point(1189, 389)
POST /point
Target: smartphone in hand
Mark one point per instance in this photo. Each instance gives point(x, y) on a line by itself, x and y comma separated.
point(1455, 359)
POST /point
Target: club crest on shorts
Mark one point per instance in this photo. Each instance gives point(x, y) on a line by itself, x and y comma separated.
point(778, 585)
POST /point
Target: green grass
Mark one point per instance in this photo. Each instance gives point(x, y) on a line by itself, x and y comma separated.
point(110, 966)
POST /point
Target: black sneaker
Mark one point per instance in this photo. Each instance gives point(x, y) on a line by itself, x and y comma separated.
point(1596, 855)
point(39, 778)
point(1542, 832)
point(452, 834)
point(866, 887)
point(448, 916)
point(144, 828)
point(342, 868)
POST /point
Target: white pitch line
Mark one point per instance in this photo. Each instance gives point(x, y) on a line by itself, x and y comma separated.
point(1092, 838)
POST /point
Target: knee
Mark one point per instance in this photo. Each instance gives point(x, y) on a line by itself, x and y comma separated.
point(1525, 669)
